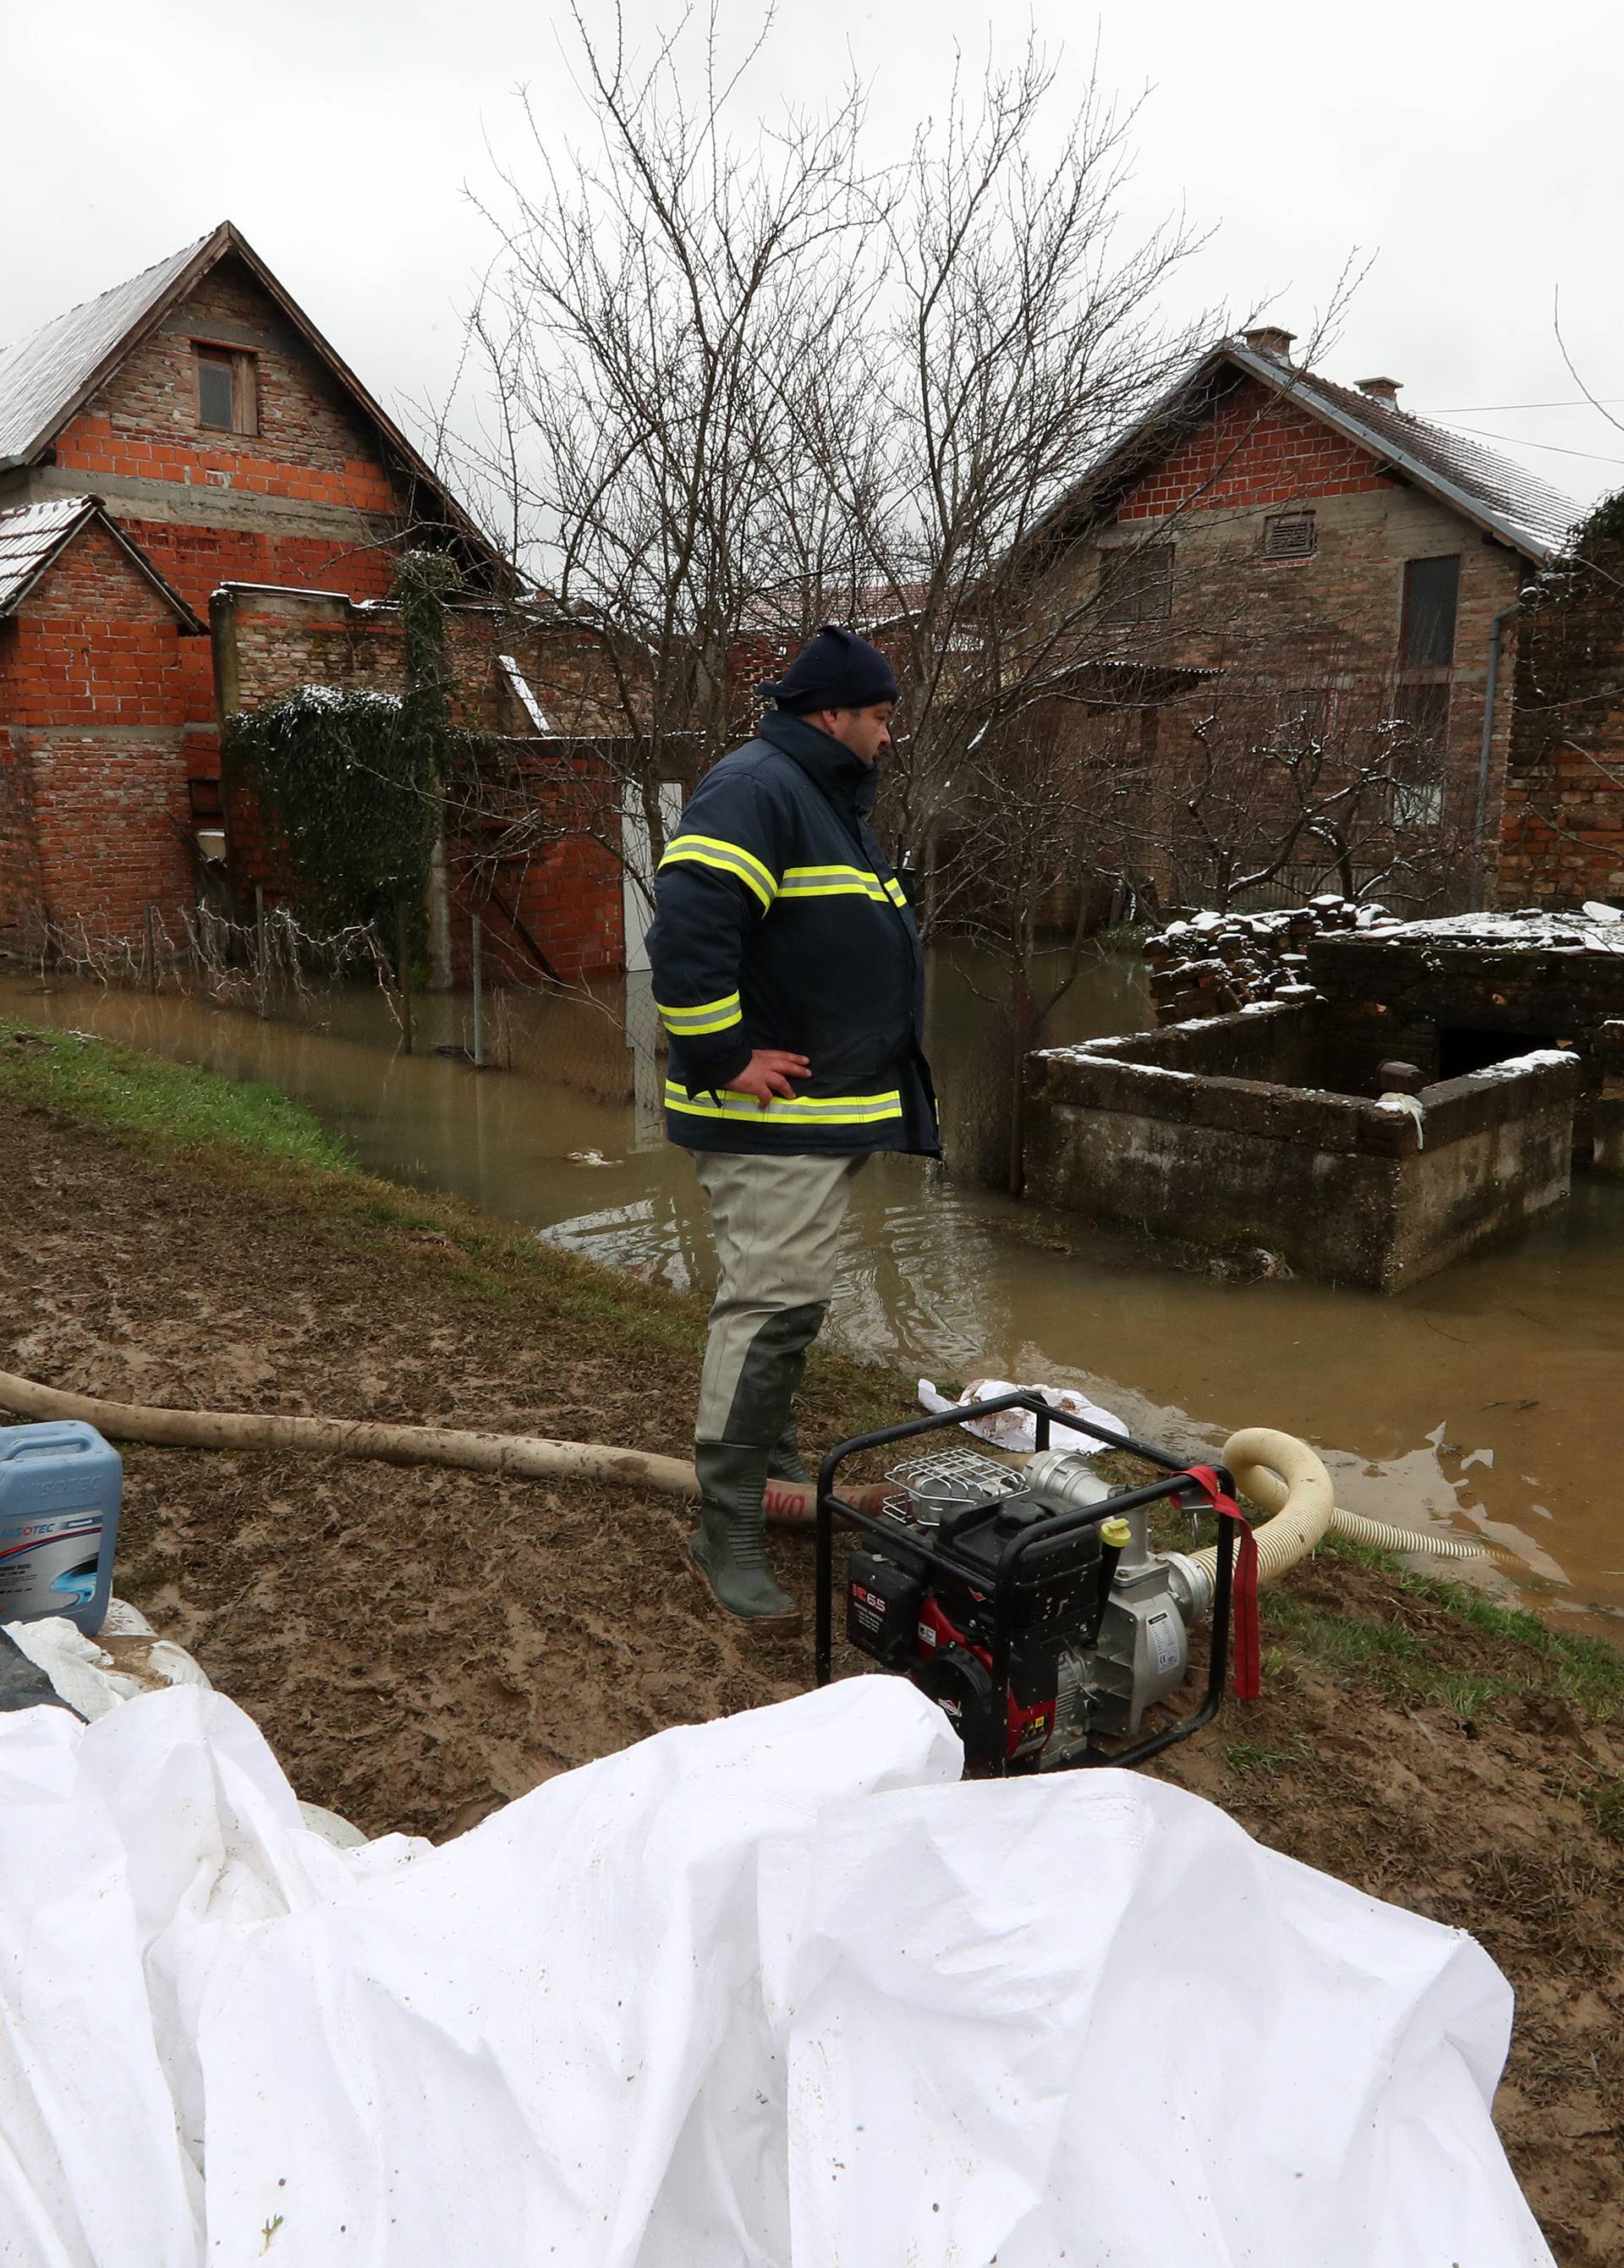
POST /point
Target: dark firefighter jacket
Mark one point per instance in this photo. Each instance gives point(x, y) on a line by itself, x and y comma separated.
point(778, 924)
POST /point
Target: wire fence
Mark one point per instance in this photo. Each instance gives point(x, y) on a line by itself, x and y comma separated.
point(348, 981)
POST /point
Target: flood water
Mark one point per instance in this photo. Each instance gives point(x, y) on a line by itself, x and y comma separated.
point(1485, 1398)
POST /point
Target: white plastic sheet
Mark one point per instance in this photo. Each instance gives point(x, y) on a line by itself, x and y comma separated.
point(777, 1990)
point(1018, 1429)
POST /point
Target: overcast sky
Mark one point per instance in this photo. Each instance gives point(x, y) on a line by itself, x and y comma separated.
point(1470, 148)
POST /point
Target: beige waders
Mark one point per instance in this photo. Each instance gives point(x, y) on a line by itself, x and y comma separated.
point(776, 1224)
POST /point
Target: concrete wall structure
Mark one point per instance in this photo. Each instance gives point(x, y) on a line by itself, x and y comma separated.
point(1337, 1184)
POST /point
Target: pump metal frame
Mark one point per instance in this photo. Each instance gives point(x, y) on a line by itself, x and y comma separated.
point(936, 1550)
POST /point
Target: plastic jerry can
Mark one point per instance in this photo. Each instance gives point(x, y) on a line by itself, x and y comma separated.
point(60, 1489)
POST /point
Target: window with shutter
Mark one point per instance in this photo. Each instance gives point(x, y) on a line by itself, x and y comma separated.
point(1136, 584)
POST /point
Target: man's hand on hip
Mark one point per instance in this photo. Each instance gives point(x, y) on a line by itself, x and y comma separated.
point(767, 1073)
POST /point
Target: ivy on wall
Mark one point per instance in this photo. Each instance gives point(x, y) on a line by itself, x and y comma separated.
point(354, 782)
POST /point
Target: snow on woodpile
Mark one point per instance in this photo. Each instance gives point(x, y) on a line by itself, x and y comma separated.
point(1216, 964)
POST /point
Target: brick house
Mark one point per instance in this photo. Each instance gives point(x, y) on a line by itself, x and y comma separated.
point(1270, 578)
point(201, 507)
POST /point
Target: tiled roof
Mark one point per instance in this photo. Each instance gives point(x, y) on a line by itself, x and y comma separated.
point(1535, 518)
point(44, 376)
point(1494, 494)
point(30, 540)
point(34, 534)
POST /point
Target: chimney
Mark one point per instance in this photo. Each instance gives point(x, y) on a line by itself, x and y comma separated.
point(1269, 339)
point(1381, 389)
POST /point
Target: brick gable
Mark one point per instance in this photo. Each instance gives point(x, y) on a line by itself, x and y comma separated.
point(94, 811)
point(1254, 449)
point(312, 445)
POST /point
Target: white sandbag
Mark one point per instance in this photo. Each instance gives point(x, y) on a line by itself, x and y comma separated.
point(777, 1990)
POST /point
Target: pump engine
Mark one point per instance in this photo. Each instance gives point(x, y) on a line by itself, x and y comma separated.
point(1028, 1603)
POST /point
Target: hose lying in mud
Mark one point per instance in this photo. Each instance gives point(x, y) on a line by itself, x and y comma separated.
point(520, 1457)
point(1279, 1473)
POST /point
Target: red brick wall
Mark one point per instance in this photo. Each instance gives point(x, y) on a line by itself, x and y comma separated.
point(1562, 838)
point(566, 894)
point(93, 689)
point(1255, 449)
point(1330, 620)
point(568, 897)
point(308, 500)
point(312, 449)
point(312, 445)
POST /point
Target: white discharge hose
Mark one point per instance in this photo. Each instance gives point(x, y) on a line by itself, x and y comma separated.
point(1285, 1479)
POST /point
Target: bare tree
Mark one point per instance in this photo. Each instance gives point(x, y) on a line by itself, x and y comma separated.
point(740, 381)
point(666, 303)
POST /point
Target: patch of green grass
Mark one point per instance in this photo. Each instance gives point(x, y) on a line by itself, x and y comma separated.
point(171, 1106)
point(1418, 1662)
point(1605, 1806)
point(1252, 1759)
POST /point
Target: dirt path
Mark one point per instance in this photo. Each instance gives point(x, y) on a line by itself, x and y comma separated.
point(420, 1646)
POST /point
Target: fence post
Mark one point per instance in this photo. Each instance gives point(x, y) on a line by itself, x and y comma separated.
point(403, 973)
point(479, 998)
point(260, 987)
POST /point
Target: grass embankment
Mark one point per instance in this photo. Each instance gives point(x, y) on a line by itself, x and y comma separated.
point(421, 1646)
point(168, 1107)
point(248, 1136)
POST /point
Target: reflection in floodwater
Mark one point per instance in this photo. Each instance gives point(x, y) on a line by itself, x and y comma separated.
point(1485, 1397)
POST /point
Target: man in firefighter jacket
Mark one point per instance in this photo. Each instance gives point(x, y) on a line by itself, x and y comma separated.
point(789, 977)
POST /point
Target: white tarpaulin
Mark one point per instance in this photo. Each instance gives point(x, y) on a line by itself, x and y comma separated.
point(777, 1990)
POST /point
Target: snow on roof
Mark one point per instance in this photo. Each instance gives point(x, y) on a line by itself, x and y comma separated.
point(32, 537)
point(1536, 517)
point(43, 376)
point(1494, 494)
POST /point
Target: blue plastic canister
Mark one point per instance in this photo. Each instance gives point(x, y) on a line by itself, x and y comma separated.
point(60, 1489)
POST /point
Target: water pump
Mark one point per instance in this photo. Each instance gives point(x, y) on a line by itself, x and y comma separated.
point(1028, 1602)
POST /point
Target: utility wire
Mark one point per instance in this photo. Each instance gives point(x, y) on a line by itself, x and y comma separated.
point(1488, 408)
point(1517, 441)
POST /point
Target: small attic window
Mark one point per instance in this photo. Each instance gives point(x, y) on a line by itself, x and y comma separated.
point(227, 390)
point(1288, 535)
point(1137, 584)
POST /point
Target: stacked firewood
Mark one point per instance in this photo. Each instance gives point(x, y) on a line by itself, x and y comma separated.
point(1216, 964)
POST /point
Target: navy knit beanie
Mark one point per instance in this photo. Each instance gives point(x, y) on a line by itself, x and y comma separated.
point(834, 670)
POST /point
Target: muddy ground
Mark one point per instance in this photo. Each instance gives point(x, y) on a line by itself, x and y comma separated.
point(420, 1646)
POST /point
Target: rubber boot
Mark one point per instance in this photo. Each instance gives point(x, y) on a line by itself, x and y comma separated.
point(729, 1552)
point(784, 1462)
point(729, 1556)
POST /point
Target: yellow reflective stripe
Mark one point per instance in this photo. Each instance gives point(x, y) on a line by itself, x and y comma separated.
point(895, 892)
point(707, 1016)
point(804, 1110)
point(728, 857)
point(831, 882)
